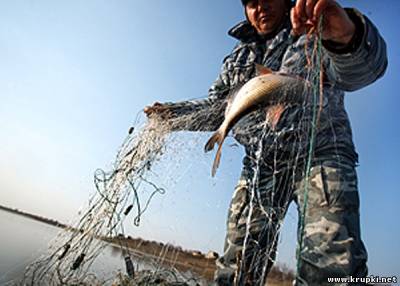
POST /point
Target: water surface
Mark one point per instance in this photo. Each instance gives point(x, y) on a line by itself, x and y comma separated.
point(23, 240)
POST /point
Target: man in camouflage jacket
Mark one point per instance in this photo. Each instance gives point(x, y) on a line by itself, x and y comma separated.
point(353, 56)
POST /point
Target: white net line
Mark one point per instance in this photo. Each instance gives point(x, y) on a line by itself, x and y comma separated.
point(135, 178)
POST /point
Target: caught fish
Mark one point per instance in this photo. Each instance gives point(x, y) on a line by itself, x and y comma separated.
point(266, 88)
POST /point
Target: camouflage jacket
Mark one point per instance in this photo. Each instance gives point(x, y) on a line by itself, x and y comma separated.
point(346, 69)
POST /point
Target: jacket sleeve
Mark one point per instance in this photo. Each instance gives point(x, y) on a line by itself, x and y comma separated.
point(204, 114)
point(360, 63)
point(346, 68)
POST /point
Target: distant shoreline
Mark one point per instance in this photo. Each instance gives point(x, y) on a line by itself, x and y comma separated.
point(34, 217)
point(184, 260)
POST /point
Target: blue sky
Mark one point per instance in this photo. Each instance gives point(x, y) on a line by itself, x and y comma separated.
point(74, 75)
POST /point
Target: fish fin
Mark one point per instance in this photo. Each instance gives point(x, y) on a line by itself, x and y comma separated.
point(262, 70)
point(217, 160)
point(218, 137)
point(215, 138)
point(274, 113)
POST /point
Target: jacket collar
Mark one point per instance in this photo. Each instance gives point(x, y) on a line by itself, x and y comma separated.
point(243, 32)
point(246, 33)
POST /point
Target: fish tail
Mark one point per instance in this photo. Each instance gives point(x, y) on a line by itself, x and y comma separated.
point(218, 137)
point(216, 160)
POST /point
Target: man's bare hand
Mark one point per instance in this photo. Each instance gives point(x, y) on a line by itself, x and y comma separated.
point(337, 26)
point(158, 109)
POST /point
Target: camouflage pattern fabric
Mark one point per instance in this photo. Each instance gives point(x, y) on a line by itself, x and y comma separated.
point(286, 54)
point(332, 244)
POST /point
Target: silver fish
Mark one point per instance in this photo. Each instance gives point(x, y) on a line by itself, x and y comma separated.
point(266, 88)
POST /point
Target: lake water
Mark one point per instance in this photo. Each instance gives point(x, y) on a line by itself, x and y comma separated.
point(23, 240)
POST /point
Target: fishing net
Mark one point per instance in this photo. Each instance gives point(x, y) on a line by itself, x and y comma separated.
point(126, 190)
point(136, 178)
point(272, 180)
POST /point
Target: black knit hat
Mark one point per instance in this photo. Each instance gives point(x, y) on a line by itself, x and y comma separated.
point(290, 2)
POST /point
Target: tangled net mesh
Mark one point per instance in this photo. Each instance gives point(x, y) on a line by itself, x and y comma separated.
point(127, 189)
point(133, 181)
point(270, 198)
